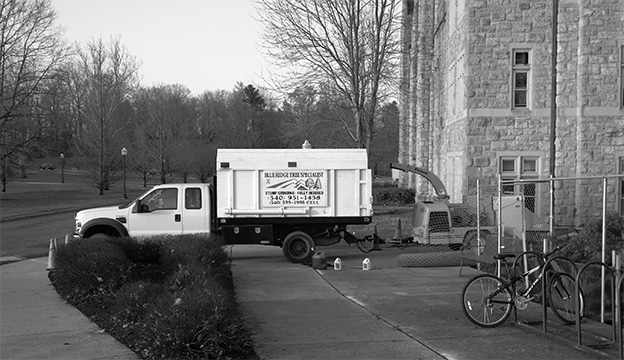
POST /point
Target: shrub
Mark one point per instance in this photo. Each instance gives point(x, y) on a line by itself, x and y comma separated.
point(384, 184)
point(140, 252)
point(587, 245)
point(393, 196)
point(88, 268)
point(168, 297)
point(132, 302)
point(204, 315)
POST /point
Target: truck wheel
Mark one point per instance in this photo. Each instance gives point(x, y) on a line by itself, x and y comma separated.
point(99, 237)
point(298, 247)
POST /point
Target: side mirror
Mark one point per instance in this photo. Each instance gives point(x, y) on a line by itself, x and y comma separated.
point(140, 208)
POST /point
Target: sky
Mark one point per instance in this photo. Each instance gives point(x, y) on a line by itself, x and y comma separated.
point(203, 44)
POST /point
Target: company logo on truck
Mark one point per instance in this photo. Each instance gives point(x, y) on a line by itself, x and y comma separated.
point(294, 188)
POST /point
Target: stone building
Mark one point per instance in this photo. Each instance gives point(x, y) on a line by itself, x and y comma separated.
point(476, 96)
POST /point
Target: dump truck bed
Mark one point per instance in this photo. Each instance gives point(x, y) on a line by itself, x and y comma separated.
point(293, 183)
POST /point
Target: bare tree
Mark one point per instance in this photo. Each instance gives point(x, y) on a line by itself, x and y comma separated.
point(229, 119)
point(301, 108)
point(310, 117)
point(350, 46)
point(31, 48)
point(164, 115)
point(110, 76)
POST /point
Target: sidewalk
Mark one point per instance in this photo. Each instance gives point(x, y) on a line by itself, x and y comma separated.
point(295, 312)
point(36, 323)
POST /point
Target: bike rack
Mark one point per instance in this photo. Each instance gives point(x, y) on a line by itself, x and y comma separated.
point(618, 301)
point(613, 312)
point(545, 281)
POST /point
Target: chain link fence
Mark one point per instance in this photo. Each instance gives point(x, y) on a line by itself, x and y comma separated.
point(582, 217)
point(551, 212)
point(534, 213)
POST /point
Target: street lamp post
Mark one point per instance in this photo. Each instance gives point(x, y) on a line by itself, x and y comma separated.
point(124, 152)
point(62, 168)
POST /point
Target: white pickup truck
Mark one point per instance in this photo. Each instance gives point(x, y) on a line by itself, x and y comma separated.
point(293, 198)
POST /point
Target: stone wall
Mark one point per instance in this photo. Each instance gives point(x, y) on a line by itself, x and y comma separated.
point(476, 118)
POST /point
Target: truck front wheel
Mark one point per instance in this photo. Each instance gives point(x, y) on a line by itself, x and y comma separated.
point(99, 237)
point(298, 247)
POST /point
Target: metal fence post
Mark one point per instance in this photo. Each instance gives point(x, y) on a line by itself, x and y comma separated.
point(500, 221)
point(478, 212)
point(604, 249)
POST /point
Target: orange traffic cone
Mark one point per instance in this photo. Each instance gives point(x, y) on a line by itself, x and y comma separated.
point(376, 240)
point(398, 233)
point(52, 255)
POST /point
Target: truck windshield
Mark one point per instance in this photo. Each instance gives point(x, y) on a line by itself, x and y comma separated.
point(126, 205)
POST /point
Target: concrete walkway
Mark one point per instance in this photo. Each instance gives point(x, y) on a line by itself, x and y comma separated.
point(36, 323)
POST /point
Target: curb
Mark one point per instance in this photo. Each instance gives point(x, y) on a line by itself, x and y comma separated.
point(10, 259)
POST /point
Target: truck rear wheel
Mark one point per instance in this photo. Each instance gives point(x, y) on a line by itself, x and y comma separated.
point(298, 247)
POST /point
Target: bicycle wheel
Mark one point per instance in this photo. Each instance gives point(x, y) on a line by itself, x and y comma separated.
point(561, 290)
point(485, 301)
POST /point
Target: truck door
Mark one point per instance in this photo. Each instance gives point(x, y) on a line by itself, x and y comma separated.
point(161, 214)
point(195, 212)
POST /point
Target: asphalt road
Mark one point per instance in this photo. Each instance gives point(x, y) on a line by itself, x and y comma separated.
point(30, 237)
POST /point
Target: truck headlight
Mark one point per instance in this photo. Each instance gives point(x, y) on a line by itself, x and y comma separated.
point(78, 227)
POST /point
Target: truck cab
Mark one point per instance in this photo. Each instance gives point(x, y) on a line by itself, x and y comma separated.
point(165, 209)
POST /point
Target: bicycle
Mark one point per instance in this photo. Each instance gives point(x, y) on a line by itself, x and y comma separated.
point(487, 300)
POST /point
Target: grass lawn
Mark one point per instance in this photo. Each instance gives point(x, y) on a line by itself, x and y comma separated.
point(42, 192)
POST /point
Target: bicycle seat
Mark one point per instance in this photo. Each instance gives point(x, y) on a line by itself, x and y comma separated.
point(503, 256)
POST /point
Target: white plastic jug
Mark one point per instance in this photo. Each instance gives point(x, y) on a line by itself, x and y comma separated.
point(337, 264)
point(366, 264)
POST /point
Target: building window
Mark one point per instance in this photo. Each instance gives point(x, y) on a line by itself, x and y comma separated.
point(517, 168)
point(521, 79)
point(621, 181)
